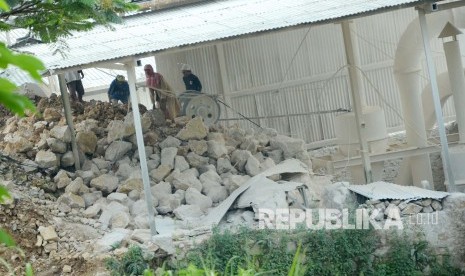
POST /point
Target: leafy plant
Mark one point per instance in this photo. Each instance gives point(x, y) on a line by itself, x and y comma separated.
point(132, 263)
point(52, 19)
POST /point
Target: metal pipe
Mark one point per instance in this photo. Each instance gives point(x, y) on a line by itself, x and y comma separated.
point(356, 88)
point(437, 102)
point(457, 83)
point(69, 119)
point(140, 145)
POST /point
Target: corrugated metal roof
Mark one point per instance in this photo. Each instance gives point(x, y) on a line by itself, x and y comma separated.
point(384, 190)
point(206, 21)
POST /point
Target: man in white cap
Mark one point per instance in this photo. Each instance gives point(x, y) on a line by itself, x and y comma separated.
point(191, 81)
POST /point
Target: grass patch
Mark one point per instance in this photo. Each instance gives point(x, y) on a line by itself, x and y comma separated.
point(296, 253)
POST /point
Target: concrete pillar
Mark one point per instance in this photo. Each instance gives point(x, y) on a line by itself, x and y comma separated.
point(437, 102)
point(130, 67)
point(357, 92)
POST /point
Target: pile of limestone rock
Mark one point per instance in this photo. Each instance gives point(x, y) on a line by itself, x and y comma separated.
point(192, 167)
point(403, 207)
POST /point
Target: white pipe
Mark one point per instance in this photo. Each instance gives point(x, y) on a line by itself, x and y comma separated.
point(140, 144)
point(457, 82)
point(357, 90)
point(69, 119)
point(407, 70)
point(437, 103)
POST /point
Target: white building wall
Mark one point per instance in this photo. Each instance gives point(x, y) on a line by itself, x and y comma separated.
point(298, 71)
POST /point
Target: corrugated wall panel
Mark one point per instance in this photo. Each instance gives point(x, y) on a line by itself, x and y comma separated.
point(316, 54)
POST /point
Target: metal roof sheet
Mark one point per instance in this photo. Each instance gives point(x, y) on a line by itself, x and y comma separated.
point(385, 190)
point(146, 33)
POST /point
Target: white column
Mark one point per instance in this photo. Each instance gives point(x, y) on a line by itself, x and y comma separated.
point(224, 80)
point(457, 83)
point(357, 92)
point(130, 67)
point(69, 119)
point(437, 102)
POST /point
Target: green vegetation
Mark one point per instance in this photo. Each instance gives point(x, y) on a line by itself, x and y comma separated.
point(53, 19)
point(268, 252)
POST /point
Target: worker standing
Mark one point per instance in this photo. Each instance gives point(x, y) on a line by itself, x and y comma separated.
point(153, 82)
point(74, 84)
point(191, 81)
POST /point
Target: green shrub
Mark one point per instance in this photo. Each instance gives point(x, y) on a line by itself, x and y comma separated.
point(132, 263)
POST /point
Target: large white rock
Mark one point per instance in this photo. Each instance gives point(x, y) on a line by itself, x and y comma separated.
point(118, 130)
point(46, 159)
point(198, 146)
point(87, 141)
point(101, 163)
point(56, 145)
point(455, 201)
point(92, 211)
point(124, 170)
point(91, 198)
point(180, 163)
point(188, 212)
point(71, 200)
point(110, 210)
point(105, 183)
point(141, 221)
point(167, 156)
point(289, 146)
point(131, 184)
point(111, 239)
point(252, 167)
point(86, 176)
point(67, 159)
point(170, 142)
point(239, 159)
point(116, 150)
point(77, 187)
point(217, 193)
point(118, 197)
point(87, 125)
point(17, 143)
point(216, 149)
point(195, 129)
point(119, 220)
point(210, 176)
point(235, 181)
point(187, 179)
point(337, 196)
point(139, 207)
point(62, 179)
point(223, 165)
point(162, 189)
point(196, 160)
point(161, 172)
point(194, 197)
point(62, 133)
point(48, 233)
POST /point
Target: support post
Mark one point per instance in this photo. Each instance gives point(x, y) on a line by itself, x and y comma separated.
point(140, 144)
point(69, 119)
point(357, 92)
point(437, 102)
point(224, 79)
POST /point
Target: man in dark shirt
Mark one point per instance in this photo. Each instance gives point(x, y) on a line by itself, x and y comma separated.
point(191, 81)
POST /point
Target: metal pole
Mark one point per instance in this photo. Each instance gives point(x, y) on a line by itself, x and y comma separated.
point(437, 102)
point(69, 119)
point(140, 144)
point(357, 93)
